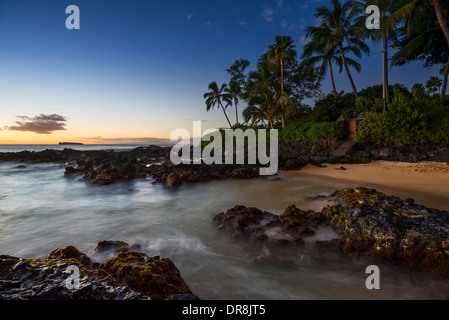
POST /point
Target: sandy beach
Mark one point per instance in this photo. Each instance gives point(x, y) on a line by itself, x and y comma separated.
point(426, 182)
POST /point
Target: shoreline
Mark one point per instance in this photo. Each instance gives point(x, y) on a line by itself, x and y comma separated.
point(427, 182)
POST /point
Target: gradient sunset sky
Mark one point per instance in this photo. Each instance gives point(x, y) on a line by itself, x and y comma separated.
point(138, 69)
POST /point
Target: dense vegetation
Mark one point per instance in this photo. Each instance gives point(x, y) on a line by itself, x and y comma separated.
point(275, 90)
point(411, 118)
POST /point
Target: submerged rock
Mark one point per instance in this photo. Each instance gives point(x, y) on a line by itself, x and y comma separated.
point(71, 170)
point(173, 180)
point(129, 275)
point(367, 223)
point(263, 231)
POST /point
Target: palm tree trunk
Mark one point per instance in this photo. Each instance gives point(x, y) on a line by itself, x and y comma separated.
point(440, 16)
point(444, 87)
point(224, 111)
point(282, 93)
point(332, 78)
point(347, 71)
point(385, 69)
point(271, 123)
point(236, 112)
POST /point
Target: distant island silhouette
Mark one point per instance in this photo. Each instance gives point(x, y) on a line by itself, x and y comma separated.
point(71, 143)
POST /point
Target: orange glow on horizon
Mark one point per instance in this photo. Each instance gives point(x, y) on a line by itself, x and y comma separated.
point(29, 138)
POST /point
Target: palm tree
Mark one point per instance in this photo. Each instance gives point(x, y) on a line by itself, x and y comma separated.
point(254, 115)
point(433, 85)
point(215, 98)
point(316, 52)
point(264, 77)
point(238, 82)
point(339, 27)
point(234, 91)
point(280, 52)
point(263, 106)
point(391, 13)
point(424, 39)
point(441, 19)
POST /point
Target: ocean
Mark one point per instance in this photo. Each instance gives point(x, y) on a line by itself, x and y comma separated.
point(42, 147)
point(41, 210)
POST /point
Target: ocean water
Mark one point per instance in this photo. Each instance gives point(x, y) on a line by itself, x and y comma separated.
point(42, 147)
point(41, 210)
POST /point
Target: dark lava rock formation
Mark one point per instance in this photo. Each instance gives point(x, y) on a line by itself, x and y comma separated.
point(368, 223)
point(107, 167)
point(130, 275)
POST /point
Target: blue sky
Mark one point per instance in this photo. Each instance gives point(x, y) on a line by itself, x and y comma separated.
point(139, 68)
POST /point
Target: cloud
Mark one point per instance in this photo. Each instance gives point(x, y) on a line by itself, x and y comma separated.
point(41, 124)
point(267, 14)
point(296, 26)
point(243, 24)
point(306, 4)
point(283, 7)
point(190, 16)
point(284, 23)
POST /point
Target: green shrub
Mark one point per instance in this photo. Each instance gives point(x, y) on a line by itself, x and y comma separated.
point(408, 120)
point(310, 132)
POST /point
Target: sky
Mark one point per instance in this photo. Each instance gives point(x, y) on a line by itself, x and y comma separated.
point(136, 70)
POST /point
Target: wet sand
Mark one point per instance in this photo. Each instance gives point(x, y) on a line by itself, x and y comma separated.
point(426, 182)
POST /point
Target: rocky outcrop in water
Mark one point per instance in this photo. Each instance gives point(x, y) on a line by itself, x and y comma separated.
point(266, 236)
point(368, 223)
point(397, 230)
point(106, 167)
point(129, 275)
point(174, 176)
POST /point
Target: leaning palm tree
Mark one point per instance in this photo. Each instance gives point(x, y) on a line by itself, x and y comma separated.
point(280, 52)
point(441, 18)
point(424, 39)
point(216, 97)
point(316, 53)
point(339, 27)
